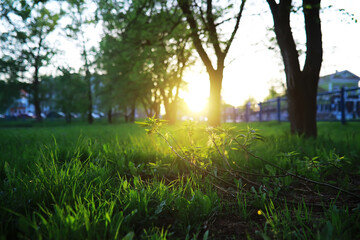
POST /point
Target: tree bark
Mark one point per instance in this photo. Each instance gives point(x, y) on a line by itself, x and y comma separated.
point(215, 98)
point(171, 112)
point(301, 84)
point(126, 115)
point(132, 113)
point(68, 117)
point(109, 115)
point(170, 106)
point(90, 105)
point(36, 84)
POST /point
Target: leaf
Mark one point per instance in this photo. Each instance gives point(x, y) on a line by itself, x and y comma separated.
point(70, 220)
point(271, 169)
point(206, 204)
point(107, 217)
point(10, 173)
point(160, 207)
point(326, 232)
point(143, 124)
point(129, 236)
point(206, 235)
point(132, 168)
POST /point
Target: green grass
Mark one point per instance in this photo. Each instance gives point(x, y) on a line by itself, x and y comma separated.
point(61, 181)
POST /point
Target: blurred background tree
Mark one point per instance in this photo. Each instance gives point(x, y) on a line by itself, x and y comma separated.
point(76, 30)
point(28, 25)
point(205, 20)
point(143, 58)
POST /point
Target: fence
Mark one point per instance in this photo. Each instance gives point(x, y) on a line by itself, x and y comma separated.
point(342, 105)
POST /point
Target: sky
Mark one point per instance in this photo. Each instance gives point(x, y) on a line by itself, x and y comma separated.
point(251, 68)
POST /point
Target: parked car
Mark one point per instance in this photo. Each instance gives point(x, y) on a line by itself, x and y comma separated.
point(28, 115)
point(97, 115)
point(55, 115)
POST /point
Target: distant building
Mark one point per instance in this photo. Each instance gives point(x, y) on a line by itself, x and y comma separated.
point(21, 107)
point(329, 103)
point(329, 98)
point(337, 80)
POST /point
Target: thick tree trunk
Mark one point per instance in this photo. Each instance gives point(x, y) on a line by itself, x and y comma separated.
point(214, 114)
point(156, 109)
point(171, 112)
point(301, 85)
point(170, 107)
point(302, 109)
point(171, 117)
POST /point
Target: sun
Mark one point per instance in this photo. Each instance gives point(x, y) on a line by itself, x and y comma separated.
point(197, 94)
point(196, 103)
point(234, 91)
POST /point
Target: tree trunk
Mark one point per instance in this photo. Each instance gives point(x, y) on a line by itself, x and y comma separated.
point(215, 75)
point(36, 84)
point(170, 107)
point(126, 115)
point(301, 85)
point(171, 113)
point(109, 115)
point(156, 109)
point(68, 117)
point(215, 98)
point(90, 105)
point(132, 113)
point(147, 108)
point(302, 109)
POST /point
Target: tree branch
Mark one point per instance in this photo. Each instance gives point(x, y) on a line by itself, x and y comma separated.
point(223, 21)
point(314, 51)
point(273, 5)
point(185, 7)
point(214, 39)
point(235, 28)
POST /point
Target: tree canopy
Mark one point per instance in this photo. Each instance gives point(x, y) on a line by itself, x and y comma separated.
point(28, 27)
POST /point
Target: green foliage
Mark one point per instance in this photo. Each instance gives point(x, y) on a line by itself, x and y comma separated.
point(30, 33)
point(152, 125)
point(276, 91)
point(9, 92)
point(144, 59)
point(116, 181)
point(28, 25)
point(10, 68)
point(66, 93)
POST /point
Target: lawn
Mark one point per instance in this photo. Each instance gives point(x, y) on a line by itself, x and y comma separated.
point(186, 181)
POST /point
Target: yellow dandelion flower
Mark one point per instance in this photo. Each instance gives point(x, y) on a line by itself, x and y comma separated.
point(259, 212)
